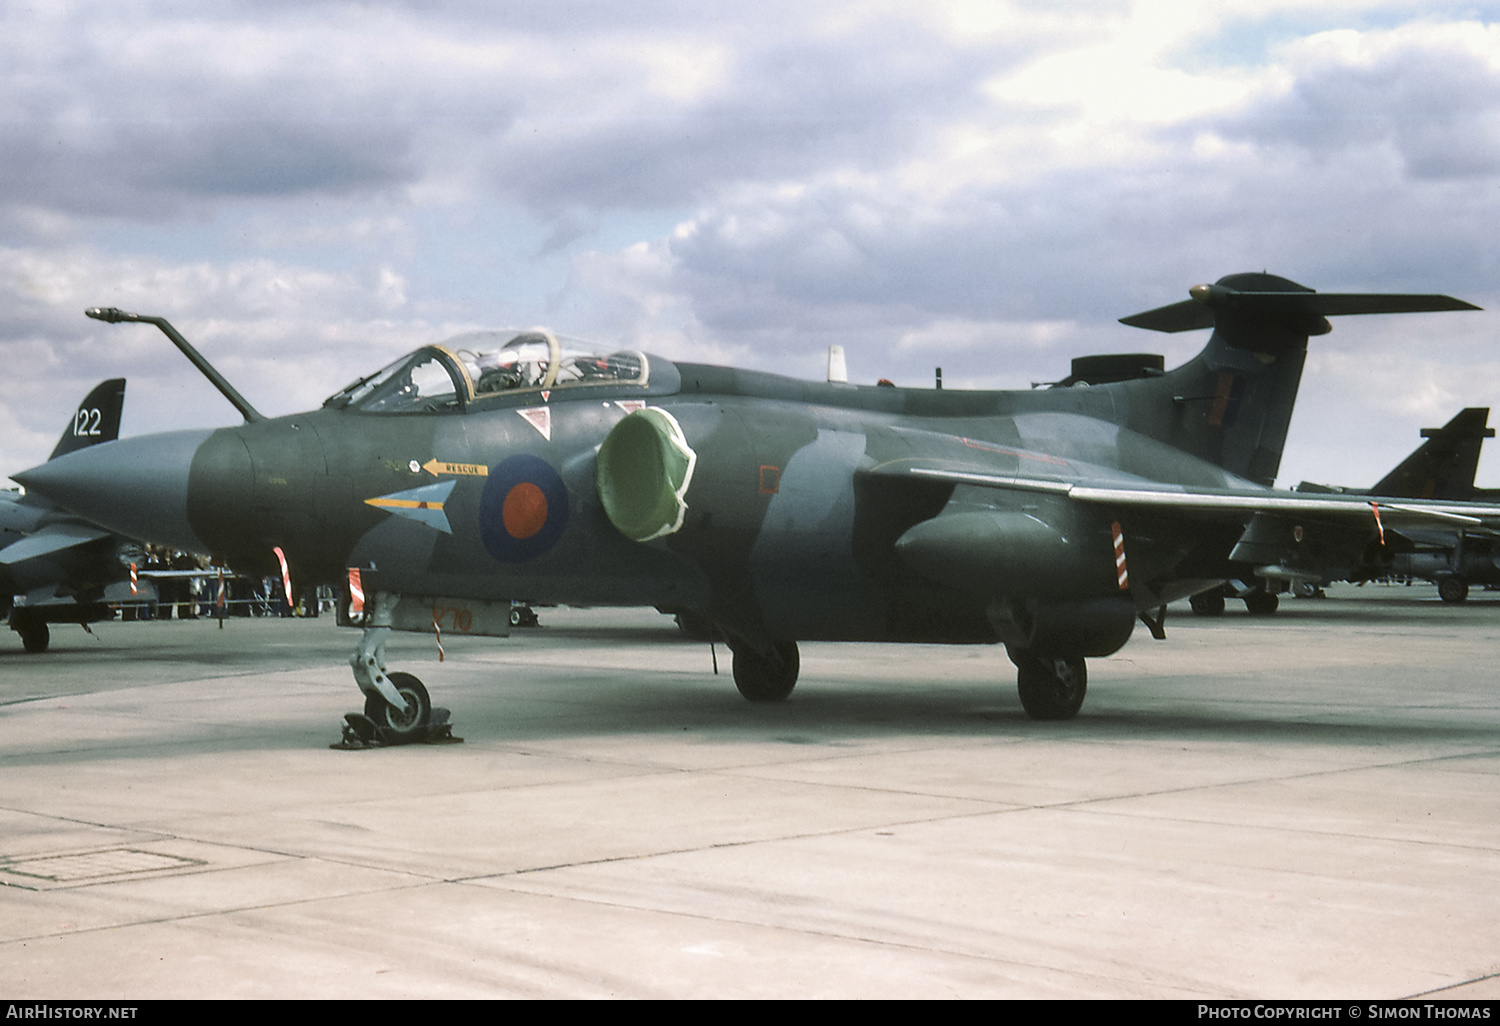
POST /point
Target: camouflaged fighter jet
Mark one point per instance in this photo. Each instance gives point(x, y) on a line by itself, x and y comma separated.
point(523, 465)
point(1451, 557)
point(1275, 559)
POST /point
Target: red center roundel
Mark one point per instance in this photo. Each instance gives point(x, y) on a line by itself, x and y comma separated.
point(524, 512)
point(524, 508)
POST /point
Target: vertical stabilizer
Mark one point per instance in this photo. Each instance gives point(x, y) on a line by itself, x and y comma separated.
point(1443, 467)
point(1232, 403)
point(97, 419)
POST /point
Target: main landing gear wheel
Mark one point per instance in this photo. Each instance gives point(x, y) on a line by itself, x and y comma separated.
point(34, 635)
point(1051, 689)
point(1450, 589)
point(402, 722)
point(1261, 603)
point(766, 678)
point(1208, 603)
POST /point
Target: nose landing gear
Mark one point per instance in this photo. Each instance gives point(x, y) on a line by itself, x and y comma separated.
point(398, 710)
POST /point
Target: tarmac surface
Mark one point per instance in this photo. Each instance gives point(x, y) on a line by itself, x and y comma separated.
point(1303, 806)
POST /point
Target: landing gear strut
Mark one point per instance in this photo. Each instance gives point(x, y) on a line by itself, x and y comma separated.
point(398, 710)
point(1051, 688)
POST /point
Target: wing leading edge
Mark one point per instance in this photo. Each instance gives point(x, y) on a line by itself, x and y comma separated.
point(1237, 502)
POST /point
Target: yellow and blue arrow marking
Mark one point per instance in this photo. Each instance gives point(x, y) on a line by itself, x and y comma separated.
point(424, 504)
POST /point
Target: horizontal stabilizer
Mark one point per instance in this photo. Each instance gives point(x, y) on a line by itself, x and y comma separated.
point(52, 538)
point(1213, 301)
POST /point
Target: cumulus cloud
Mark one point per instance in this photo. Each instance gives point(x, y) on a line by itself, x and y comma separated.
point(1429, 94)
point(287, 336)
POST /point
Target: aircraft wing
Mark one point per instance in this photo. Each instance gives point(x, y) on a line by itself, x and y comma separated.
point(1235, 503)
point(54, 537)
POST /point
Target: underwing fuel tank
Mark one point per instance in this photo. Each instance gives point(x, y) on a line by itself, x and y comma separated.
point(1046, 593)
point(995, 551)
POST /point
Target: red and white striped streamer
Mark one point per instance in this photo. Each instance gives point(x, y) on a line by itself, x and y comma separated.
point(1378, 525)
point(1122, 575)
point(286, 574)
point(356, 592)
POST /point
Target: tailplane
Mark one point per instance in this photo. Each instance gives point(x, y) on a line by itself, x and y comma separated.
point(1232, 403)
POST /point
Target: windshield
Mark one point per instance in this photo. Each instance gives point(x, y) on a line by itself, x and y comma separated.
point(486, 364)
point(418, 382)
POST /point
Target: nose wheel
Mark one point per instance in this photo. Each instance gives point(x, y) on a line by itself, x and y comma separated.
point(406, 721)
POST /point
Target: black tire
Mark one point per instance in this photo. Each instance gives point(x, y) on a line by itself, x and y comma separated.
point(1050, 689)
point(763, 678)
point(1208, 603)
point(402, 722)
point(35, 637)
point(1450, 589)
point(1261, 603)
point(515, 616)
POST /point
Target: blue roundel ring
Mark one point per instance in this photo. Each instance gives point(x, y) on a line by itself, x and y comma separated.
point(523, 510)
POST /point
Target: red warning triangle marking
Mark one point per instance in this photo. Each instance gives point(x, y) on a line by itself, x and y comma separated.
point(539, 417)
point(631, 405)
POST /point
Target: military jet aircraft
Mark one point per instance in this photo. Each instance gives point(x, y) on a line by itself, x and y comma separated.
point(782, 510)
point(54, 566)
point(1444, 467)
point(1274, 557)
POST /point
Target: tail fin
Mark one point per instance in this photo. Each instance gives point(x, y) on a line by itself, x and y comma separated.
point(96, 420)
point(1444, 466)
point(1232, 403)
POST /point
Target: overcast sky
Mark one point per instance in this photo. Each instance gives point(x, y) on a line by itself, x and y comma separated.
point(307, 190)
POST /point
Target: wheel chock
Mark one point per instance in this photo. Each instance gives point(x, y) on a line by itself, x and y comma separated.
point(361, 733)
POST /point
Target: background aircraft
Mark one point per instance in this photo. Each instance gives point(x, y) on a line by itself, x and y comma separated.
point(781, 510)
point(1275, 555)
point(1443, 468)
point(55, 567)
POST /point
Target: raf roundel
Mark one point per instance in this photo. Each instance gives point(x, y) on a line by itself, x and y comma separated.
point(523, 510)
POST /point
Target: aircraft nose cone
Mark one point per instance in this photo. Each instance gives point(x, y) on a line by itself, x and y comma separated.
point(134, 486)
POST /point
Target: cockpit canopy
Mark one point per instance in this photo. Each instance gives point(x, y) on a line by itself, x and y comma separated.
point(485, 365)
